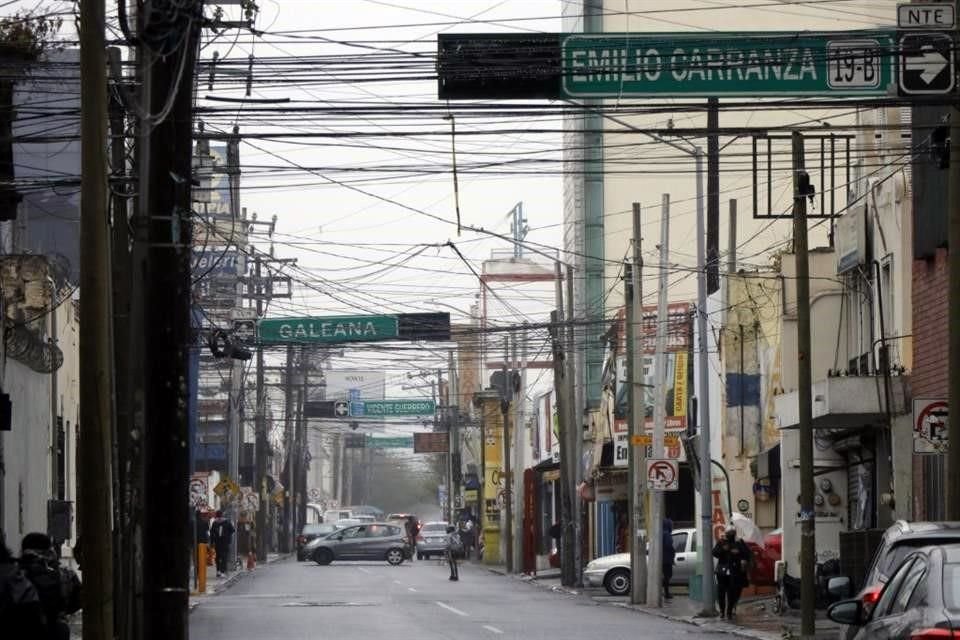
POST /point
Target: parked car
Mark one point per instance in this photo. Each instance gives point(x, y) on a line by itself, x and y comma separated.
point(310, 532)
point(899, 540)
point(920, 600)
point(373, 541)
point(613, 572)
point(765, 559)
point(432, 540)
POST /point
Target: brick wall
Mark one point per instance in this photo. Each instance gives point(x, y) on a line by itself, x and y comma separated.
point(931, 337)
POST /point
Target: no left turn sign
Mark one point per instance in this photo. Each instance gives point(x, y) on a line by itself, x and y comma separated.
point(663, 475)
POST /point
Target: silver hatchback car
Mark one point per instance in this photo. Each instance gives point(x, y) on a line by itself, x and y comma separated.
point(371, 541)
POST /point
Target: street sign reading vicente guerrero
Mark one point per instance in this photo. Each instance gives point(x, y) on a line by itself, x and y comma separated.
point(366, 408)
point(329, 329)
point(729, 64)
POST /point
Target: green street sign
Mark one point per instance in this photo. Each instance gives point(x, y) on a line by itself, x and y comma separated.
point(847, 63)
point(372, 408)
point(330, 329)
point(400, 442)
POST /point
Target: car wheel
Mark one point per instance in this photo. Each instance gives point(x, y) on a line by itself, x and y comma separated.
point(323, 556)
point(395, 556)
point(617, 582)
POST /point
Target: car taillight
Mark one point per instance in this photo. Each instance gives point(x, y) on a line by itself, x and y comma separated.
point(870, 596)
point(301, 539)
point(935, 634)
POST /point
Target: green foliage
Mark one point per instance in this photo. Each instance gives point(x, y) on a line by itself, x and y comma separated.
point(27, 35)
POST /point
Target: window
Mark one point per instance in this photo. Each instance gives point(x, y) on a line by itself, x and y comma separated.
point(680, 542)
point(354, 532)
point(890, 591)
point(887, 295)
point(916, 575)
point(951, 586)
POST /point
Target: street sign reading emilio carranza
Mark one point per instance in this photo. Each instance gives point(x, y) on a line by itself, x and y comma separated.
point(729, 64)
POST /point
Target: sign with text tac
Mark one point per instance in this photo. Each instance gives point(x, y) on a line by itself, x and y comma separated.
point(663, 475)
point(728, 64)
point(431, 442)
point(329, 329)
point(931, 421)
point(376, 408)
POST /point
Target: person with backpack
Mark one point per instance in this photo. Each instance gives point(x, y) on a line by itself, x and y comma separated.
point(221, 533)
point(733, 561)
point(21, 614)
point(57, 587)
point(454, 551)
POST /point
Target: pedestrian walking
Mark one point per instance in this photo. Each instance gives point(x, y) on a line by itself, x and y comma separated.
point(221, 533)
point(412, 528)
point(454, 551)
point(669, 556)
point(57, 587)
point(21, 614)
point(467, 537)
point(733, 560)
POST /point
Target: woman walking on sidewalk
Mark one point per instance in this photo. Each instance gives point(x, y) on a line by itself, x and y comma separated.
point(733, 560)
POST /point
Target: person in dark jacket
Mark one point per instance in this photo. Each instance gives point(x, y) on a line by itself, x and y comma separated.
point(669, 556)
point(21, 614)
point(221, 534)
point(733, 560)
point(57, 586)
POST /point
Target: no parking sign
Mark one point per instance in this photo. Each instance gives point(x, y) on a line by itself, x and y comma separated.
point(931, 421)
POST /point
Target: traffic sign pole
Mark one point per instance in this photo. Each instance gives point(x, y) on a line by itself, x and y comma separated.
point(953, 301)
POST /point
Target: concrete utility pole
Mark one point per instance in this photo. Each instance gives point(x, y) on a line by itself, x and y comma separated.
point(705, 532)
point(164, 282)
point(808, 594)
point(96, 367)
point(289, 383)
point(655, 567)
point(507, 529)
point(576, 437)
point(519, 428)
point(453, 420)
point(633, 290)
point(953, 300)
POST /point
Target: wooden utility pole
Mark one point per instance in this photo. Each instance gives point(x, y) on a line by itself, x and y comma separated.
point(165, 206)
point(808, 594)
point(563, 401)
point(505, 401)
point(633, 293)
point(953, 301)
point(96, 367)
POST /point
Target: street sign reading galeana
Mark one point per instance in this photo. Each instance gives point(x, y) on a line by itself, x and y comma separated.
point(336, 329)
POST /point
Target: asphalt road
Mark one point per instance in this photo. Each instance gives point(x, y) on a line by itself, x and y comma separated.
point(291, 600)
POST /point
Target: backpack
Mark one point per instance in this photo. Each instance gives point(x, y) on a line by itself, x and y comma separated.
point(48, 582)
point(20, 610)
point(456, 544)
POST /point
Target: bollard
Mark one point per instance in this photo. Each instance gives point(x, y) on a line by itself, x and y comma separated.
point(202, 567)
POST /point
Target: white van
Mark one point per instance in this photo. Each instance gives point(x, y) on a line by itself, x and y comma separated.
point(335, 515)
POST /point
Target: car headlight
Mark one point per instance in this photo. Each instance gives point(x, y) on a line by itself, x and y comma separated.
point(591, 565)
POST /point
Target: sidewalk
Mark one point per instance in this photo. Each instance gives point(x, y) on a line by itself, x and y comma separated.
point(755, 616)
point(217, 585)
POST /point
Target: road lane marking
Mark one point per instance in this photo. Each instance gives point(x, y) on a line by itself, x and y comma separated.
point(367, 571)
point(452, 610)
point(492, 629)
point(411, 589)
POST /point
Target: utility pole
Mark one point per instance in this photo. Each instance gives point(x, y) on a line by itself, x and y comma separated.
point(655, 567)
point(165, 205)
point(300, 448)
point(633, 290)
point(96, 367)
point(713, 195)
point(703, 404)
point(732, 238)
point(519, 427)
point(507, 467)
point(808, 594)
point(953, 300)
point(260, 428)
point(563, 401)
point(287, 544)
point(575, 433)
point(453, 432)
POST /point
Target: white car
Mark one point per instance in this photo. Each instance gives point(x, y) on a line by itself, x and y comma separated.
point(613, 572)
